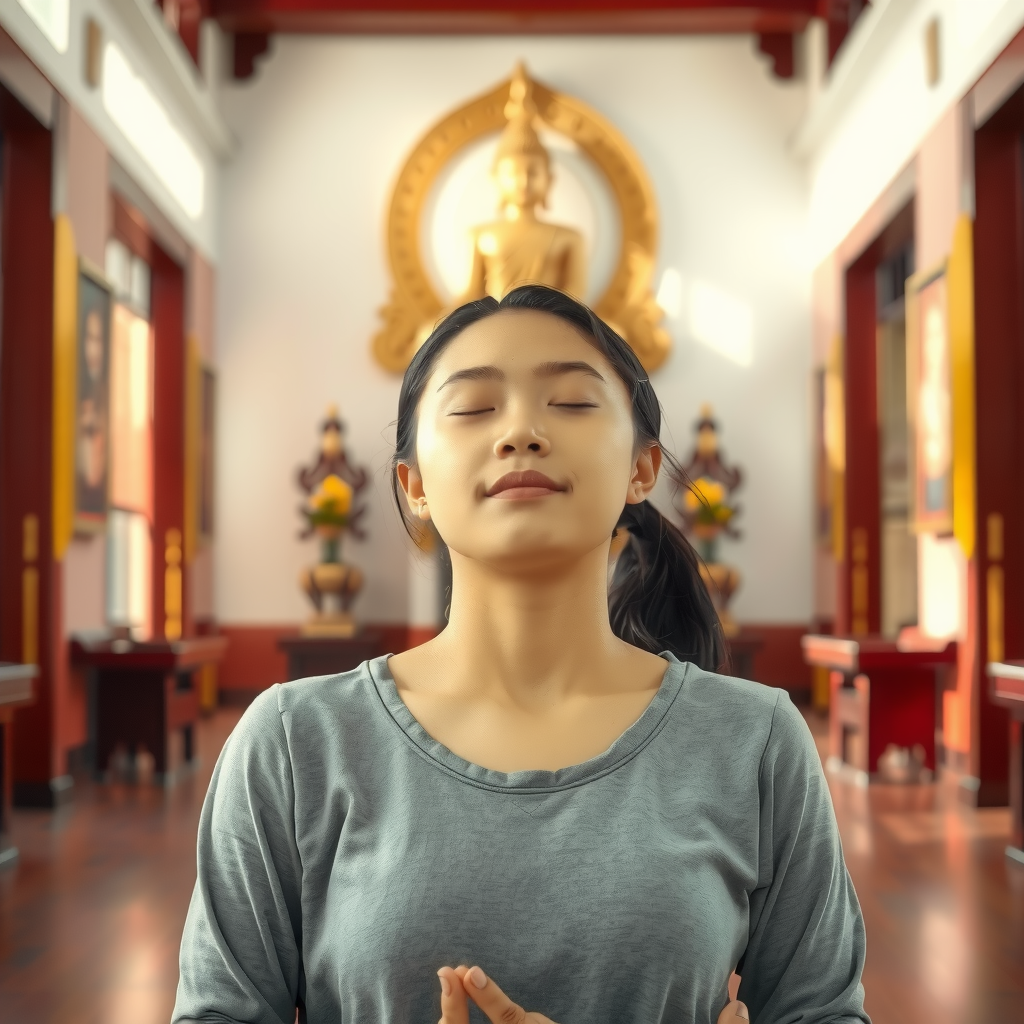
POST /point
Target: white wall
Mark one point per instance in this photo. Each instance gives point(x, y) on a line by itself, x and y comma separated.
point(323, 130)
point(878, 106)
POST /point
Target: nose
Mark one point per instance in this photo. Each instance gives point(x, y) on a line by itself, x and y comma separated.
point(519, 439)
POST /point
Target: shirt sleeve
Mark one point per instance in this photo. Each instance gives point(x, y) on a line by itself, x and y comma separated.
point(240, 955)
point(805, 952)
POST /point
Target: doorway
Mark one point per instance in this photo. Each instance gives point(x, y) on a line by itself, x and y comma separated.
point(897, 543)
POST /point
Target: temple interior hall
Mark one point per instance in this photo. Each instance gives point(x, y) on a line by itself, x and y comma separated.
point(227, 227)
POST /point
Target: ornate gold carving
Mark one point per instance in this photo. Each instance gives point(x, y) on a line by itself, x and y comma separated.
point(627, 303)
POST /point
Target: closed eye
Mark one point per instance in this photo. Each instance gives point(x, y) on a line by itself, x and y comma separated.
point(575, 405)
point(472, 412)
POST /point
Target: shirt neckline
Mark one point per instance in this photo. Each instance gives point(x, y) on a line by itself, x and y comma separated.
point(628, 744)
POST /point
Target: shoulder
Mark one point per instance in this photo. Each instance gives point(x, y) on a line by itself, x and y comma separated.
point(314, 704)
point(756, 718)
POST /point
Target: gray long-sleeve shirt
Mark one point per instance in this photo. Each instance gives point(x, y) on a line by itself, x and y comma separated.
point(345, 855)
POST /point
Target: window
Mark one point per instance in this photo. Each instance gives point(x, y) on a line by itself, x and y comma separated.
point(130, 523)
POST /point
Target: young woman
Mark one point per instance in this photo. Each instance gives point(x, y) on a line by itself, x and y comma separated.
point(557, 804)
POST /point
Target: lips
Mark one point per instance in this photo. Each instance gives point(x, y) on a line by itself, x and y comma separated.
point(524, 484)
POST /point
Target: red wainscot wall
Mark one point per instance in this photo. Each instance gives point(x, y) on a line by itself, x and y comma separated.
point(253, 661)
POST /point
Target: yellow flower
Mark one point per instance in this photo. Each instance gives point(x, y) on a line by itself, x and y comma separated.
point(333, 492)
point(704, 491)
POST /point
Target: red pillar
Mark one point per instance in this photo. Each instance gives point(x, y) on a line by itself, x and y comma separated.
point(30, 578)
point(999, 337)
point(859, 607)
point(171, 616)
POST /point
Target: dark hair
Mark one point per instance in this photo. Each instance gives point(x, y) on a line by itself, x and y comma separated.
point(657, 600)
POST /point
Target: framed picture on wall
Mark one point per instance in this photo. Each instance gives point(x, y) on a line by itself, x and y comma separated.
point(929, 402)
point(92, 400)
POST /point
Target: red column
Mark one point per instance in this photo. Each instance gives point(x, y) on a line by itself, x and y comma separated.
point(29, 576)
point(170, 592)
point(859, 607)
point(999, 336)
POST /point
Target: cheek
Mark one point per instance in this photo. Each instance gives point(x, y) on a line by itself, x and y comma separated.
point(603, 465)
point(445, 464)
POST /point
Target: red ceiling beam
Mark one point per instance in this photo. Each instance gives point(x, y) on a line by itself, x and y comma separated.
point(523, 16)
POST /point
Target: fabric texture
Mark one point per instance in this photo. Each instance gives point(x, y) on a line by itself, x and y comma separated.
point(344, 856)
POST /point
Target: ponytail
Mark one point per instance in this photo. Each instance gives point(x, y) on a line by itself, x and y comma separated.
point(658, 601)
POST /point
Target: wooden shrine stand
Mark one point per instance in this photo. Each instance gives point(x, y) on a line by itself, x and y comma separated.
point(881, 693)
point(145, 694)
point(1007, 689)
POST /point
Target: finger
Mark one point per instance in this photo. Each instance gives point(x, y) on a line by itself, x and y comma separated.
point(732, 1012)
point(454, 1005)
point(495, 1004)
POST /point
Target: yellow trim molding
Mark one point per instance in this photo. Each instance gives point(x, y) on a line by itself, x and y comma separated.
point(65, 329)
point(960, 285)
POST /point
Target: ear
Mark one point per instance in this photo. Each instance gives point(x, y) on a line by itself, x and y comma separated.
point(645, 474)
point(412, 486)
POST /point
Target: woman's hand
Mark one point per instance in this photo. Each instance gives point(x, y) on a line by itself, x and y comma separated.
point(460, 984)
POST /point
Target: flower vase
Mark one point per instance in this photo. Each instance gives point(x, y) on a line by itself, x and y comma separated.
point(721, 580)
point(332, 586)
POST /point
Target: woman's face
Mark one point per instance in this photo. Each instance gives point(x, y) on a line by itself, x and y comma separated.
point(522, 392)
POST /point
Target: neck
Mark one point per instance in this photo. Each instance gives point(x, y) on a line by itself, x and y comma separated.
point(530, 635)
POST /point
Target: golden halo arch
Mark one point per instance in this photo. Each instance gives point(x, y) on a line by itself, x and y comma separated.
point(627, 302)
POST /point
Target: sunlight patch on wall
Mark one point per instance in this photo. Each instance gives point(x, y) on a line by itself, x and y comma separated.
point(723, 322)
point(141, 116)
point(670, 293)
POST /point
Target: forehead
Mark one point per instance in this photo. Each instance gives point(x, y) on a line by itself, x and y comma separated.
point(516, 341)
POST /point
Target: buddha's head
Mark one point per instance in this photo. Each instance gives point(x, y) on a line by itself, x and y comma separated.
point(522, 167)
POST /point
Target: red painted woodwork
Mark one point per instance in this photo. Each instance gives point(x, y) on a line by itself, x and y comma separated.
point(248, 46)
point(589, 16)
point(882, 692)
point(862, 497)
point(253, 661)
point(26, 392)
point(1006, 689)
point(168, 304)
point(778, 46)
point(999, 377)
point(146, 695)
point(862, 520)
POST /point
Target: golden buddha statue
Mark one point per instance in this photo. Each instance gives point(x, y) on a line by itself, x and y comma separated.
point(520, 248)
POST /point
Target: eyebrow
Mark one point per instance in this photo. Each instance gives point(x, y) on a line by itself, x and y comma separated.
point(550, 369)
point(474, 373)
point(556, 369)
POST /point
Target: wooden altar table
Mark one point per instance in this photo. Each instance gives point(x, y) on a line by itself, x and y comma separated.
point(145, 694)
point(1006, 688)
point(15, 692)
point(327, 656)
point(882, 691)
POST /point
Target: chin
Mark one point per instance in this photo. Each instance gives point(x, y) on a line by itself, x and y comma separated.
point(526, 549)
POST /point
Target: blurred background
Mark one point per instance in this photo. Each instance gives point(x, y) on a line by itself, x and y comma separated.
point(227, 224)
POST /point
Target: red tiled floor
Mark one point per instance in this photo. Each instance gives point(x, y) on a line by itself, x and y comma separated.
point(92, 913)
